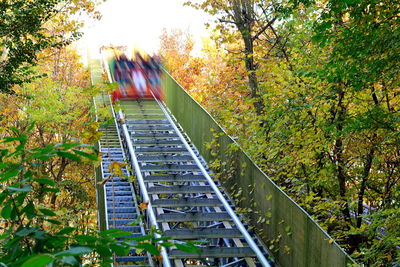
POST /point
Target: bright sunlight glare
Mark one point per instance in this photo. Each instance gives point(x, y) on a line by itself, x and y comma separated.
point(139, 24)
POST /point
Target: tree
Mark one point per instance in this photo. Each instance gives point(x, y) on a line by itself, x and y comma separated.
point(255, 21)
point(176, 48)
point(25, 31)
point(329, 87)
point(34, 234)
point(361, 36)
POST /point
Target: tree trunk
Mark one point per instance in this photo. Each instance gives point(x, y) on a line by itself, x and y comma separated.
point(338, 155)
point(251, 73)
point(367, 168)
point(57, 178)
point(243, 15)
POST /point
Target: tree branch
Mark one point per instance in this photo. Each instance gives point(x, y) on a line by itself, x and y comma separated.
point(266, 26)
point(227, 21)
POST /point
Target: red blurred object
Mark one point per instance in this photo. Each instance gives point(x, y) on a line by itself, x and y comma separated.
point(137, 78)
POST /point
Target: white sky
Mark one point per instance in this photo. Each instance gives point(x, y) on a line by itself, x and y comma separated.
point(139, 23)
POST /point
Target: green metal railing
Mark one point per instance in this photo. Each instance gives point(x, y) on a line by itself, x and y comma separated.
point(300, 241)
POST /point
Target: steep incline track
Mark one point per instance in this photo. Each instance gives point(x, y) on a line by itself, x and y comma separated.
point(184, 201)
point(120, 201)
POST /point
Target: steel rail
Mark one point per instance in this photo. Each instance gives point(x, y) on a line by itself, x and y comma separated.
point(142, 186)
point(218, 193)
point(134, 162)
point(124, 157)
point(104, 185)
point(220, 196)
point(102, 175)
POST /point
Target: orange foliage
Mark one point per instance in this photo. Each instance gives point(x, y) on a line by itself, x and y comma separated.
point(64, 66)
point(176, 48)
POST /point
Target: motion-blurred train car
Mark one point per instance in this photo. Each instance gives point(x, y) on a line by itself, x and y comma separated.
point(138, 77)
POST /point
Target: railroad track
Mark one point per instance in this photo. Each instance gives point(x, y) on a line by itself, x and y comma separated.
point(183, 200)
point(121, 207)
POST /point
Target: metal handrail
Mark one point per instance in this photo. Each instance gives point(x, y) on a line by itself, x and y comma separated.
point(138, 172)
point(104, 185)
point(225, 203)
point(124, 157)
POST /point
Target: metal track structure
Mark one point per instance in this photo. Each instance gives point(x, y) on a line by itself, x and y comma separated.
point(183, 200)
point(119, 197)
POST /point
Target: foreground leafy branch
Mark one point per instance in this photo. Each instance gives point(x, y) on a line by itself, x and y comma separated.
point(31, 233)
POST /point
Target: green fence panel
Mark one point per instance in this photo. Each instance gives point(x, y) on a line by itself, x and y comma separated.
point(299, 240)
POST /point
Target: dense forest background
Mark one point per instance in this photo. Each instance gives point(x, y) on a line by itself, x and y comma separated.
point(49, 129)
point(47, 132)
point(310, 90)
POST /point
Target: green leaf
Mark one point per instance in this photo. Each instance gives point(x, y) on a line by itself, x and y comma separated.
point(48, 189)
point(53, 221)
point(75, 251)
point(47, 212)
point(188, 248)
point(66, 230)
point(119, 250)
point(164, 238)
point(67, 145)
point(103, 251)
point(136, 221)
point(120, 234)
point(43, 157)
point(140, 238)
point(29, 209)
point(38, 260)
point(8, 139)
point(114, 233)
point(25, 188)
point(81, 239)
point(28, 174)
point(15, 130)
point(12, 241)
point(149, 247)
point(30, 127)
point(166, 244)
point(6, 212)
point(70, 260)
point(8, 175)
point(45, 181)
point(25, 231)
point(69, 156)
point(86, 155)
point(4, 165)
point(3, 196)
point(40, 235)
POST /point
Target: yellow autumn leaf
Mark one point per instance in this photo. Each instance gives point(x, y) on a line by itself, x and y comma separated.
point(159, 258)
point(143, 205)
point(116, 168)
